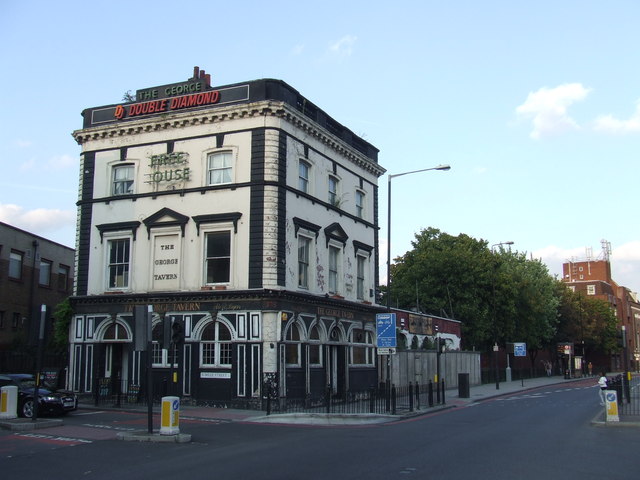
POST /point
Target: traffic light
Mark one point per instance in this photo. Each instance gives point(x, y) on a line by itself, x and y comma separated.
point(177, 332)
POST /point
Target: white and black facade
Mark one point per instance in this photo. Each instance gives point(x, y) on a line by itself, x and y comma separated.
point(247, 214)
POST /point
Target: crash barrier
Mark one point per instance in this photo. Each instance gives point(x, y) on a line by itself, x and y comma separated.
point(9, 402)
point(383, 399)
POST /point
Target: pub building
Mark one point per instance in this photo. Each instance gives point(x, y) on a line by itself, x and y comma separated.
point(243, 216)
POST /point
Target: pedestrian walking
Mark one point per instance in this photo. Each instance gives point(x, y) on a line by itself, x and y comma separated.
point(602, 384)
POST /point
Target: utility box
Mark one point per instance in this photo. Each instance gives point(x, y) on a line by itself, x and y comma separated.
point(170, 416)
point(463, 385)
point(9, 402)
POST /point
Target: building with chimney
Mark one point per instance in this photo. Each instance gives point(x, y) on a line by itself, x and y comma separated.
point(244, 218)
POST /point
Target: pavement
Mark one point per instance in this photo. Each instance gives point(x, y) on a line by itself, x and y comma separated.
point(478, 393)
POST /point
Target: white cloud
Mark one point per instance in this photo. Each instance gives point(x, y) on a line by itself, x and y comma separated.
point(23, 143)
point(57, 162)
point(297, 49)
point(60, 162)
point(610, 124)
point(38, 221)
point(547, 109)
point(344, 46)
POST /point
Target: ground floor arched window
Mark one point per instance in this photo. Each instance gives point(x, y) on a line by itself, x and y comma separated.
point(215, 346)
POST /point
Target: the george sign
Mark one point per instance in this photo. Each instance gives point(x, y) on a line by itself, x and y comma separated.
point(519, 349)
point(386, 330)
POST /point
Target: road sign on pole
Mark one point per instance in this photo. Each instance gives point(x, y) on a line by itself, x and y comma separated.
point(386, 330)
point(520, 349)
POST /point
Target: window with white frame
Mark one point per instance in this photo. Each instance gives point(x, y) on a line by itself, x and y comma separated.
point(362, 350)
point(118, 263)
point(315, 348)
point(334, 197)
point(591, 289)
point(44, 276)
point(292, 346)
point(218, 257)
point(123, 179)
point(215, 346)
point(161, 356)
point(304, 169)
point(334, 269)
point(16, 259)
point(359, 204)
point(219, 168)
point(361, 263)
point(304, 256)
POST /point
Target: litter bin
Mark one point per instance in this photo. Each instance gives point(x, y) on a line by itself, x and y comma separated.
point(463, 385)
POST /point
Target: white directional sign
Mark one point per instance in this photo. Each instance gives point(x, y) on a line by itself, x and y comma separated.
point(386, 330)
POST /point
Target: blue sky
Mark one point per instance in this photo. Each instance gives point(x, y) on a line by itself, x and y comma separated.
point(535, 105)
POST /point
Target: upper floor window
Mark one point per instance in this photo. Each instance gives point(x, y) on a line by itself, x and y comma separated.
point(215, 346)
point(218, 257)
point(16, 259)
point(118, 263)
point(44, 277)
point(591, 289)
point(304, 255)
point(219, 168)
point(334, 199)
point(303, 176)
point(334, 265)
point(360, 276)
point(359, 203)
point(63, 277)
point(123, 179)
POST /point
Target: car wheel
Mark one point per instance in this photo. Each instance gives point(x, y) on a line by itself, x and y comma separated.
point(27, 409)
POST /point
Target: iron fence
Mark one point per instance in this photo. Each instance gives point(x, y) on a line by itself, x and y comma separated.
point(628, 393)
point(382, 399)
point(115, 392)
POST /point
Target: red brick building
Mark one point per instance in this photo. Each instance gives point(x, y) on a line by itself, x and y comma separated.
point(592, 278)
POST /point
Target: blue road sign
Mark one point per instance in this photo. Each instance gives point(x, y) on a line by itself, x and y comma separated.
point(520, 349)
point(386, 330)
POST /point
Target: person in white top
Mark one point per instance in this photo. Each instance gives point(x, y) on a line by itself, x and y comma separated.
point(603, 384)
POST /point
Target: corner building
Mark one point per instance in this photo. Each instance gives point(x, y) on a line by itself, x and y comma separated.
point(243, 212)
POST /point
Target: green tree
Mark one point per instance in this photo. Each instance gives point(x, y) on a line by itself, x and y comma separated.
point(449, 276)
point(62, 315)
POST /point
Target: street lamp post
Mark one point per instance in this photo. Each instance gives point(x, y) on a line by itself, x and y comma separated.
point(496, 348)
point(389, 178)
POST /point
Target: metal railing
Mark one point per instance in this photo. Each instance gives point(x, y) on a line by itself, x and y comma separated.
point(628, 393)
point(382, 399)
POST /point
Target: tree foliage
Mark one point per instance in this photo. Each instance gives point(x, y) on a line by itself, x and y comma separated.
point(62, 314)
point(499, 296)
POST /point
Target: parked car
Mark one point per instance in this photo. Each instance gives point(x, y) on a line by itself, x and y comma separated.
point(51, 401)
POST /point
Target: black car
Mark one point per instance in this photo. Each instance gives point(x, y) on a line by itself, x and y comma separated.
point(51, 401)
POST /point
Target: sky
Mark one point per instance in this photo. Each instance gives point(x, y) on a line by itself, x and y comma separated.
point(534, 105)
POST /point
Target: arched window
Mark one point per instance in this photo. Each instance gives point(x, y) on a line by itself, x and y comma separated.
point(362, 347)
point(115, 332)
point(292, 342)
point(215, 346)
point(315, 349)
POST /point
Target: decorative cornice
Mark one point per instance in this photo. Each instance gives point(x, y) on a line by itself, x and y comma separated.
point(221, 114)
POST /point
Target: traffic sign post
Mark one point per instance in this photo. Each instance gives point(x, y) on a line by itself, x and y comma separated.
point(386, 330)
